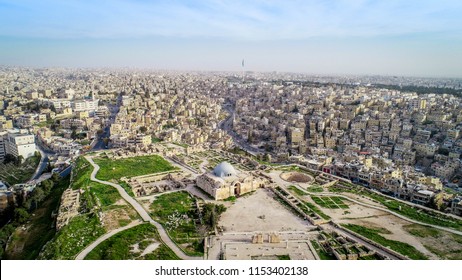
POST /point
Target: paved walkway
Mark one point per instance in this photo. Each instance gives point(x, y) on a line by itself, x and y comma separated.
point(142, 212)
point(84, 253)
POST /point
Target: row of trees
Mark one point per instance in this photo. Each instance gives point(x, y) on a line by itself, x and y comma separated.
point(20, 159)
point(423, 89)
point(211, 214)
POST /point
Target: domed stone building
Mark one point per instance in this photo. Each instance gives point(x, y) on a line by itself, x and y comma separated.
point(225, 181)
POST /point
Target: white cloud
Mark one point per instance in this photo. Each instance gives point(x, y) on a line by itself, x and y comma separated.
point(238, 19)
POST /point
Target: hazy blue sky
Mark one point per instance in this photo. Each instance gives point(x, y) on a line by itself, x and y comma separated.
point(407, 37)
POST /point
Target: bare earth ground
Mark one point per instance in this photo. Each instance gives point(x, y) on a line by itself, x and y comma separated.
point(112, 217)
point(260, 212)
point(445, 245)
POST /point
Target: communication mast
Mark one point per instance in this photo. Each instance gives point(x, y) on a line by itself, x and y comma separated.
point(243, 71)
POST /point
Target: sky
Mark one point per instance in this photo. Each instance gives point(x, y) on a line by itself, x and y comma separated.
point(407, 37)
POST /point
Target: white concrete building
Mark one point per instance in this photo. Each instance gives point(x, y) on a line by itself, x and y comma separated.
point(20, 144)
point(85, 105)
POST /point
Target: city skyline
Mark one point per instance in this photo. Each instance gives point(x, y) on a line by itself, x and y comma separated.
point(316, 37)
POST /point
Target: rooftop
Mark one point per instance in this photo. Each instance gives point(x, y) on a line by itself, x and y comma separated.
point(224, 169)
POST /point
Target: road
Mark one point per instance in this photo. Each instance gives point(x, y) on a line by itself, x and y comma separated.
point(226, 125)
point(86, 251)
point(98, 143)
point(43, 160)
point(142, 212)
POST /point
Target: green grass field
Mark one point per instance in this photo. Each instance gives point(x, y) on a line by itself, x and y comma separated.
point(315, 188)
point(374, 235)
point(131, 167)
point(322, 253)
point(445, 245)
point(422, 231)
point(81, 231)
point(331, 202)
point(297, 191)
point(118, 246)
point(176, 213)
point(106, 195)
point(81, 173)
point(317, 211)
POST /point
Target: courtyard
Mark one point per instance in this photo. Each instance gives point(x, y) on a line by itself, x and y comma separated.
point(260, 212)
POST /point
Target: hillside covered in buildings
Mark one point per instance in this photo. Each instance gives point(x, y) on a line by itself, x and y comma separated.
point(159, 163)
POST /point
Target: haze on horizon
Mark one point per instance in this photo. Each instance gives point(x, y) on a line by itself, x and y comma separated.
point(410, 38)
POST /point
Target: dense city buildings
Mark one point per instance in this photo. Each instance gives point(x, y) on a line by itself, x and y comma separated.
point(207, 139)
point(393, 141)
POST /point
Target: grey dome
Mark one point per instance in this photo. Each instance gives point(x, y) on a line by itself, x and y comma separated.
point(224, 169)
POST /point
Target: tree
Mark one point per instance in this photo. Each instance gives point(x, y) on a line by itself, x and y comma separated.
point(19, 160)
point(5, 233)
point(436, 202)
point(443, 151)
point(81, 135)
point(55, 177)
point(37, 196)
point(106, 141)
point(9, 158)
point(46, 185)
point(143, 129)
point(49, 167)
point(220, 208)
point(21, 215)
point(211, 213)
